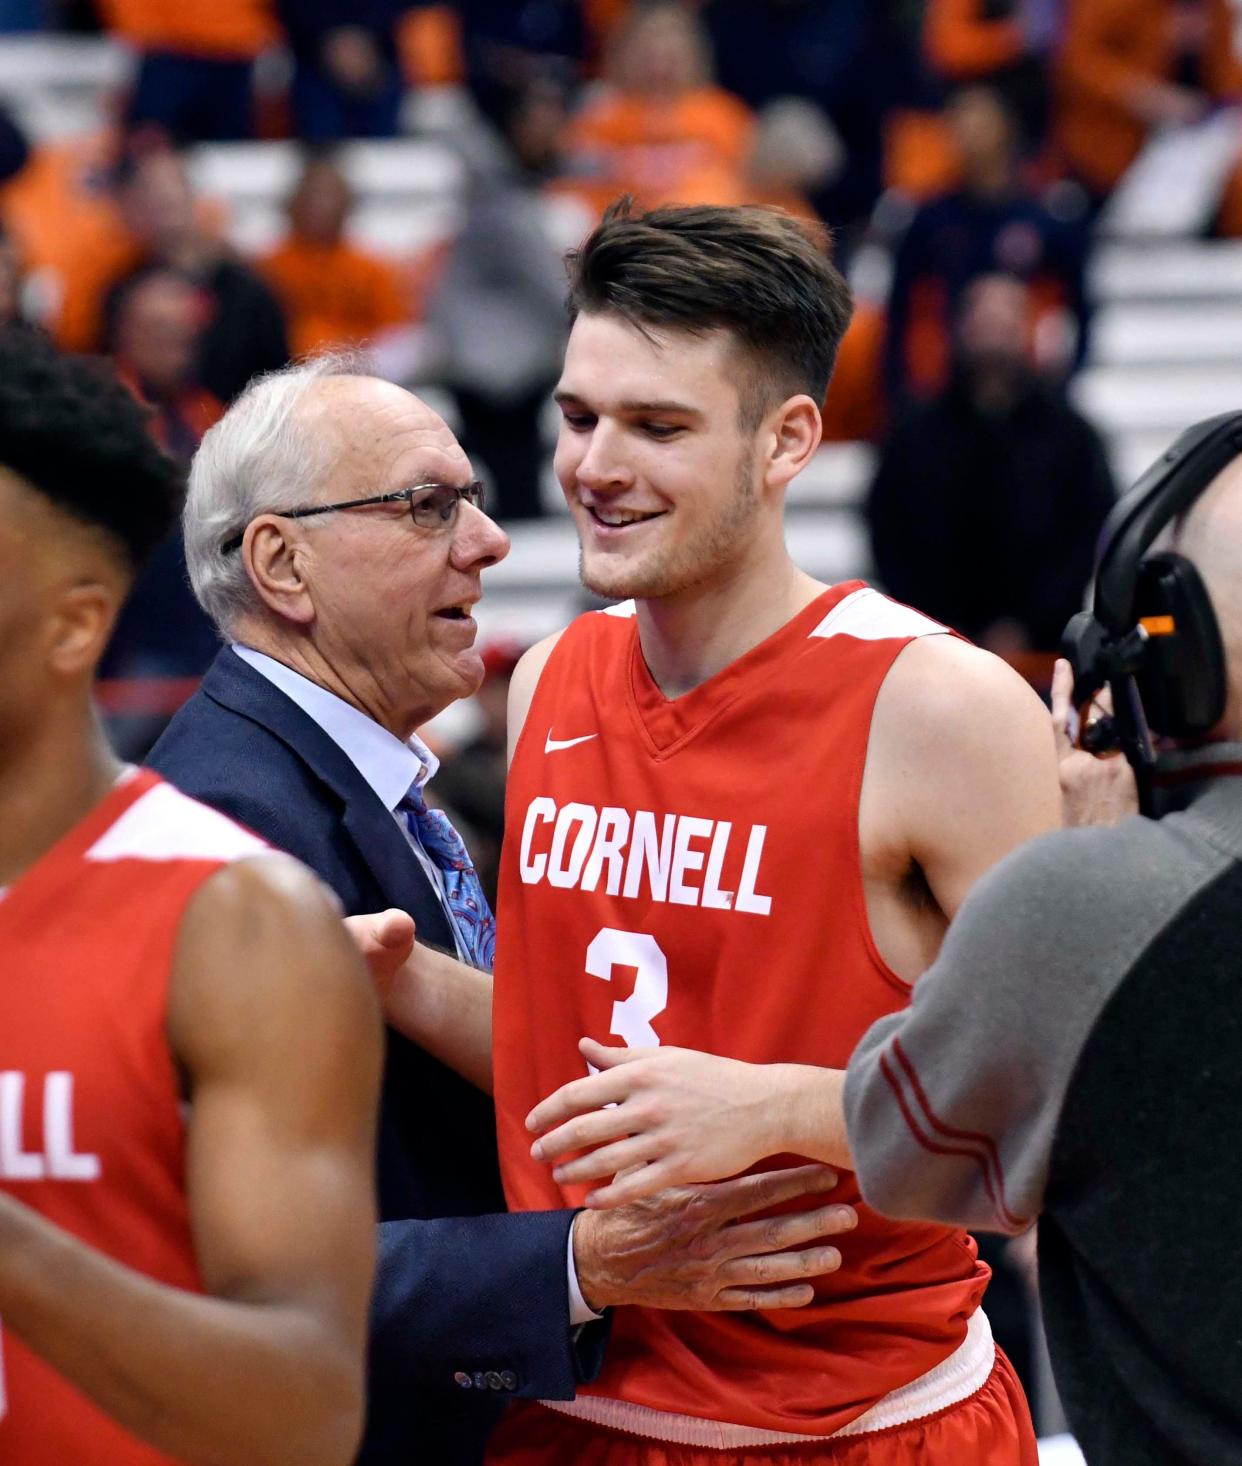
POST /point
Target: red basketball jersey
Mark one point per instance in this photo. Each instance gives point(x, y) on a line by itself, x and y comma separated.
point(91, 1128)
point(687, 872)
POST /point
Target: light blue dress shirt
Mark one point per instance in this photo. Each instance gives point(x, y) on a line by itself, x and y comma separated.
point(390, 767)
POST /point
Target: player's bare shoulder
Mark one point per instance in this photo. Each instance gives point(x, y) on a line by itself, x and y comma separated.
point(262, 941)
point(961, 766)
point(522, 685)
point(944, 697)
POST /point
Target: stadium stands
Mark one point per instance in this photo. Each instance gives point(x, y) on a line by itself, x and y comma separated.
point(1166, 322)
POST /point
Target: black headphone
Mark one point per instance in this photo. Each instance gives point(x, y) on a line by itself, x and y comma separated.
point(1151, 633)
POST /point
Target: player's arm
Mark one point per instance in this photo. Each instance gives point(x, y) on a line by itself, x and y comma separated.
point(523, 683)
point(274, 1028)
point(441, 1004)
point(961, 768)
point(961, 765)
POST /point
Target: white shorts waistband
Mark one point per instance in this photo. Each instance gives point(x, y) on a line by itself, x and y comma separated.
point(953, 1380)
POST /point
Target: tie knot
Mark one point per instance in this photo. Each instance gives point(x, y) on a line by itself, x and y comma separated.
point(413, 799)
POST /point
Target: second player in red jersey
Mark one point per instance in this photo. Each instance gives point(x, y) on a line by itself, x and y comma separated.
point(742, 811)
point(189, 1049)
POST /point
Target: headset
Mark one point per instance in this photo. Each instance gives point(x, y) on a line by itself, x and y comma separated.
point(1151, 633)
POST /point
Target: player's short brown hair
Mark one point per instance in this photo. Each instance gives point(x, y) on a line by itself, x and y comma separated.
point(763, 276)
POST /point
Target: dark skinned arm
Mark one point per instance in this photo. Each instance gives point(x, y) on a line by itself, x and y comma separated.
point(273, 1024)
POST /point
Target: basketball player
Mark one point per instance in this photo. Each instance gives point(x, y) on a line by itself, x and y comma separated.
point(744, 807)
point(189, 1049)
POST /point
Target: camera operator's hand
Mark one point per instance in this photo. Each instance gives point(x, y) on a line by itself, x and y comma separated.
point(1094, 790)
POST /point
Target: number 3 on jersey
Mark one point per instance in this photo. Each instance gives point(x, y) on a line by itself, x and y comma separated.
point(631, 1017)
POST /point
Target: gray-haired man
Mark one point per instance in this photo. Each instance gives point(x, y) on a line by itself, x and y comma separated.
point(335, 535)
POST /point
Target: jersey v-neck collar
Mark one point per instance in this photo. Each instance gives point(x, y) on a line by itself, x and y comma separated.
point(668, 723)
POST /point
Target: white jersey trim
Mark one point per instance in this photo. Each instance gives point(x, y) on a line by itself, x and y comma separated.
point(953, 1380)
point(871, 616)
point(164, 824)
point(622, 608)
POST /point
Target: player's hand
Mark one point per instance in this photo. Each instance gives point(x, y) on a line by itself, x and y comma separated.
point(675, 1116)
point(688, 1247)
point(386, 940)
point(1094, 791)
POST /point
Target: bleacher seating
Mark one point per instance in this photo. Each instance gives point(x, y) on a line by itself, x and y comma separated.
point(408, 190)
point(60, 85)
point(1167, 323)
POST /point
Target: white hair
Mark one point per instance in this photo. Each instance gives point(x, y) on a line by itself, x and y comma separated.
point(260, 457)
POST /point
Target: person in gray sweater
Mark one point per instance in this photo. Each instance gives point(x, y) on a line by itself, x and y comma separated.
point(1075, 1054)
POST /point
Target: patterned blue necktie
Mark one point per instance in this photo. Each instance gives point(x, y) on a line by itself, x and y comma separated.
point(472, 916)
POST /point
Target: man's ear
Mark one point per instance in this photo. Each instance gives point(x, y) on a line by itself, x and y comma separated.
point(274, 560)
point(795, 432)
point(80, 626)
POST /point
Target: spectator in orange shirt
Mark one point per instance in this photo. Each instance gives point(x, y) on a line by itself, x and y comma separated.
point(333, 293)
point(660, 129)
point(196, 63)
point(62, 212)
point(1129, 66)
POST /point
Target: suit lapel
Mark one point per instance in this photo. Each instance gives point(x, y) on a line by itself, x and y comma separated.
point(236, 685)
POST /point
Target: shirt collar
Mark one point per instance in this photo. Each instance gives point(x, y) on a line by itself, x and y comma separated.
point(389, 766)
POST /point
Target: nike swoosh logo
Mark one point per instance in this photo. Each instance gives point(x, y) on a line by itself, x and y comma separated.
point(554, 745)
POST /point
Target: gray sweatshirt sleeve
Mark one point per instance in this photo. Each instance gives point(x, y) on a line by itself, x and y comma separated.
point(952, 1104)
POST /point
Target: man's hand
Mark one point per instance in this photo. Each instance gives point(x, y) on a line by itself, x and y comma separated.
point(688, 1247)
point(386, 941)
point(436, 1001)
point(675, 1116)
point(1094, 791)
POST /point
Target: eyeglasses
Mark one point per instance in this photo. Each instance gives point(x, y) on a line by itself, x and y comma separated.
point(432, 506)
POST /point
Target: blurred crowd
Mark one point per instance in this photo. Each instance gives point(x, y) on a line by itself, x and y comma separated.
point(960, 152)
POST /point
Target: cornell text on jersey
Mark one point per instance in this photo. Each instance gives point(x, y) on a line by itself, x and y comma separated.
point(681, 859)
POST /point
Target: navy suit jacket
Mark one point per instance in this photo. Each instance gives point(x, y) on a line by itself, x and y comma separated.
point(465, 1292)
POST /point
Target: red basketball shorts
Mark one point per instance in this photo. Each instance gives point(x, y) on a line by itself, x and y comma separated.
point(992, 1427)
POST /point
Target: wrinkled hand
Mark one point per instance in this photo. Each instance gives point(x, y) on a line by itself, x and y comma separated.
point(675, 1115)
point(1094, 791)
point(688, 1247)
point(386, 940)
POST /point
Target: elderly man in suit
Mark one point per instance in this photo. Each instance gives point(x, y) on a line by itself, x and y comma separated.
point(336, 538)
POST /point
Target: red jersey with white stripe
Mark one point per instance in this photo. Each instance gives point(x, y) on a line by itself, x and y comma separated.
point(91, 1128)
point(687, 872)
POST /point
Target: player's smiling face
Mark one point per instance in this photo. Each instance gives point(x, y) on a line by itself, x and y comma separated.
point(654, 464)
